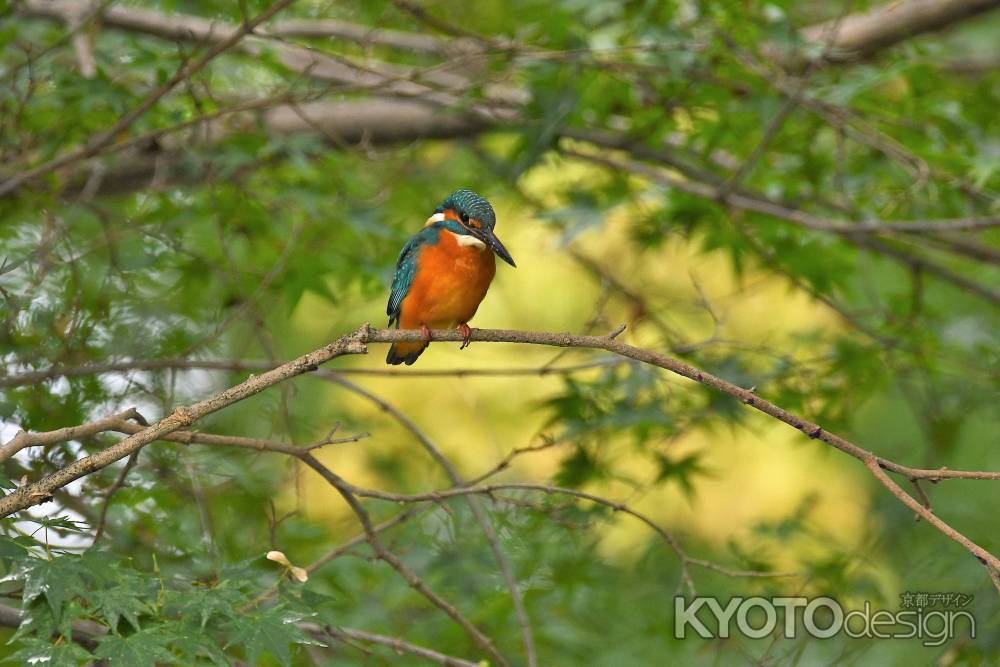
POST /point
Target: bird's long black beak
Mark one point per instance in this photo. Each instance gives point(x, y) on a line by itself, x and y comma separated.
point(492, 241)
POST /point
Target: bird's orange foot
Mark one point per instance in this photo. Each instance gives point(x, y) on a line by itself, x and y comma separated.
point(466, 335)
point(426, 332)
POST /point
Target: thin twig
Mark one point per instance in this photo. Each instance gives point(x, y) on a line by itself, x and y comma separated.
point(33, 377)
point(482, 519)
point(395, 643)
point(415, 582)
point(111, 134)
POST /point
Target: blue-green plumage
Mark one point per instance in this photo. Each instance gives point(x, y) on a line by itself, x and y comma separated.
point(406, 269)
point(472, 204)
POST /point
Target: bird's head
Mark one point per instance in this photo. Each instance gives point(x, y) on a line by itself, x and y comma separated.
point(467, 214)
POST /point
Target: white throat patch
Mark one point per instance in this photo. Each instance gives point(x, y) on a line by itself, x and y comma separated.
point(468, 240)
point(437, 217)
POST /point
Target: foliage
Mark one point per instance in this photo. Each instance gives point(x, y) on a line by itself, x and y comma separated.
point(587, 124)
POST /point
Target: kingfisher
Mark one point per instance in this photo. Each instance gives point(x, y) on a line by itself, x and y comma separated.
point(443, 272)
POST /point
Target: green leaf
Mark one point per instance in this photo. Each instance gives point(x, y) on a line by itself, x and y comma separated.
point(579, 468)
point(202, 604)
point(42, 651)
point(16, 548)
point(140, 649)
point(271, 631)
point(119, 601)
point(56, 579)
point(681, 470)
point(62, 522)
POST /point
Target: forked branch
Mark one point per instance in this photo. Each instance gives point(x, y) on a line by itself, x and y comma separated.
point(356, 343)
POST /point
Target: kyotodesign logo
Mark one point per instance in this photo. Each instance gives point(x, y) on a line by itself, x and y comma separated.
point(824, 617)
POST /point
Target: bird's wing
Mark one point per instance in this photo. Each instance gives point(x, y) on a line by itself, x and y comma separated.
point(406, 269)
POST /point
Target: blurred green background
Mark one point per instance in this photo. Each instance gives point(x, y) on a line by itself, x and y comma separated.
point(255, 212)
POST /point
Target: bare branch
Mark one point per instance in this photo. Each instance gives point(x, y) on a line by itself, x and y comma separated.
point(863, 34)
point(669, 538)
point(38, 492)
point(984, 557)
point(760, 204)
point(110, 493)
point(356, 343)
point(406, 515)
point(32, 377)
point(394, 643)
point(185, 28)
point(83, 42)
point(371, 122)
point(361, 34)
point(24, 439)
point(375, 121)
point(108, 136)
point(346, 491)
point(477, 509)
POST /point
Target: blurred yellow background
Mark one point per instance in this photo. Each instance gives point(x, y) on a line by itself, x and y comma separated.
point(758, 471)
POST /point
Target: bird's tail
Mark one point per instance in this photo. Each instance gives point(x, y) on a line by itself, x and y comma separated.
point(404, 353)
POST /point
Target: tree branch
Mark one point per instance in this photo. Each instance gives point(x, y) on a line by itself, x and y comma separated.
point(356, 343)
point(24, 439)
point(32, 377)
point(863, 34)
point(40, 491)
point(151, 22)
point(106, 137)
point(362, 122)
point(859, 236)
point(477, 509)
point(347, 492)
point(390, 125)
point(311, 63)
point(394, 643)
point(489, 489)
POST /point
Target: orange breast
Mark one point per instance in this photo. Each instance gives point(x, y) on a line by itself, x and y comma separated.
point(450, 284)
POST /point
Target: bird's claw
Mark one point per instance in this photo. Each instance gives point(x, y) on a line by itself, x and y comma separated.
point(426, 332)
point(466, 335)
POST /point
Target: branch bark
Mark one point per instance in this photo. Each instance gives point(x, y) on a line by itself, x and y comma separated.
point(34, 494)
point(25, 439)
point(106, 137)
point(858, 33)
point(363, 122)
point(482, 519)
point(864, 34)
point(862, 236)
point(394, 643)
point(356, 343)
point(186, 28)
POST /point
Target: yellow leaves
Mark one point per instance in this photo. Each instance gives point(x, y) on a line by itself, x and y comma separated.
point(296, 572)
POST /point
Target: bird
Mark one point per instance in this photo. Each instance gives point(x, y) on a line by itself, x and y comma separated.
point(443, 272)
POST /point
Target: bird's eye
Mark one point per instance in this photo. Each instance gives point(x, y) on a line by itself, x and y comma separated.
point(465, 217)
